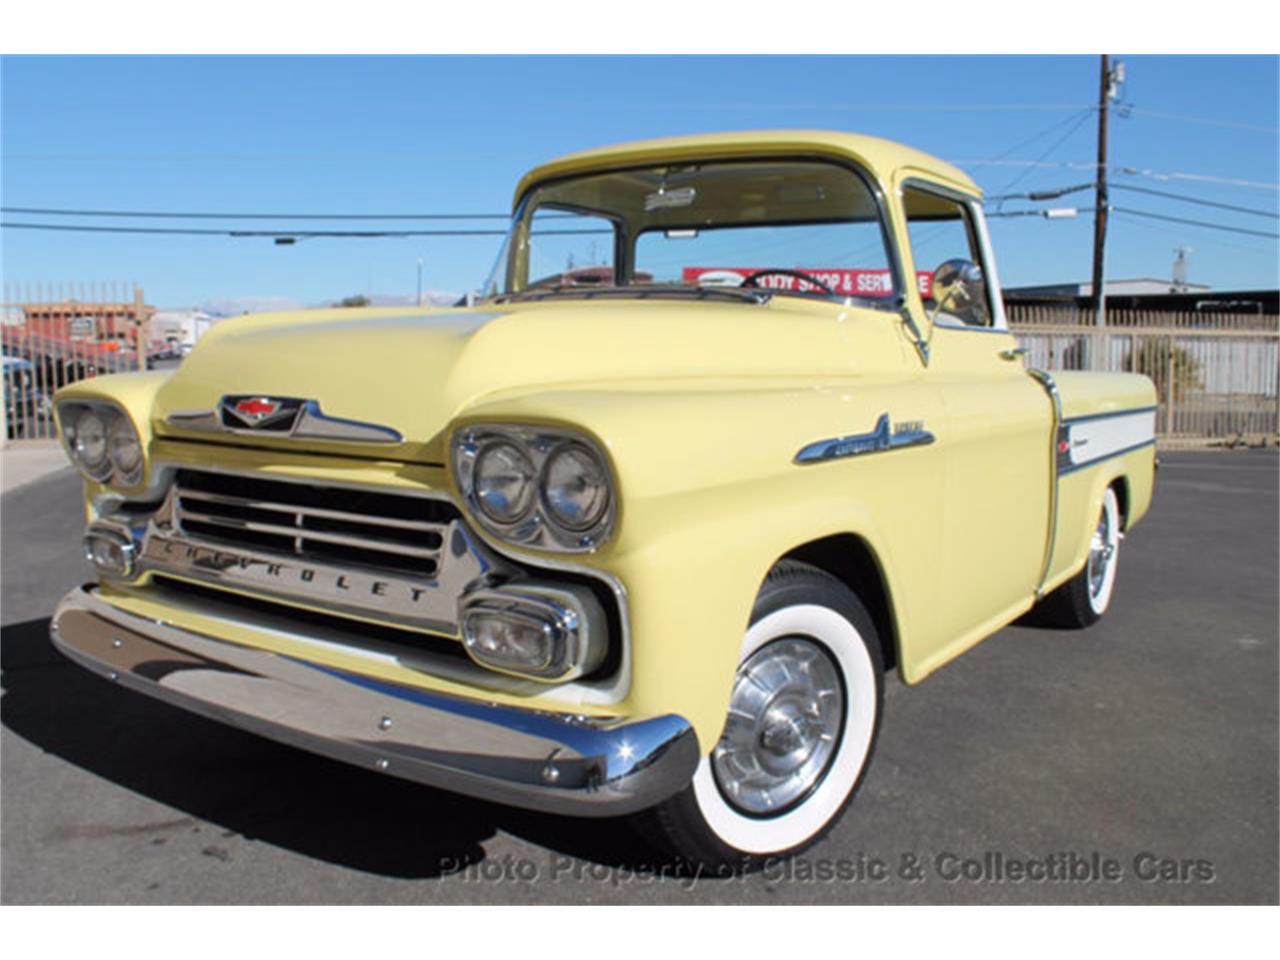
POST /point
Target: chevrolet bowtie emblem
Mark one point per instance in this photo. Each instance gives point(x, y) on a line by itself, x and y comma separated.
point(257, 408)
point(261, 413)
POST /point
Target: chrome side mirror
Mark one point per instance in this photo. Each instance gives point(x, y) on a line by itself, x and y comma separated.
point(960, 290)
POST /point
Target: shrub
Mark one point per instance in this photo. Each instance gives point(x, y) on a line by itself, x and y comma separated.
point(1165, 362)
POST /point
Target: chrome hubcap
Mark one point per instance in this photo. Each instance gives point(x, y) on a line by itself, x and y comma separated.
point(785, 716)
point(1101, 549)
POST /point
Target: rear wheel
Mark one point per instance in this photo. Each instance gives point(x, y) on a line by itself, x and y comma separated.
point(1082, 600)
point(802, 722)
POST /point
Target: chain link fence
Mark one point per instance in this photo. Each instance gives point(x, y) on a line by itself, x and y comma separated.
point(52, 335)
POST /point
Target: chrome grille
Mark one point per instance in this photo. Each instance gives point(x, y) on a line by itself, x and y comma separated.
point(398, 533)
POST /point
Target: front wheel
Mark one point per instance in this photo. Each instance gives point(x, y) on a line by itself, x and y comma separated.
point(803, 716)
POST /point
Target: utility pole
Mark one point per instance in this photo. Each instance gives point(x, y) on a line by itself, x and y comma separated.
point(140, 327)
point(1107, 91)
point(1100, 206)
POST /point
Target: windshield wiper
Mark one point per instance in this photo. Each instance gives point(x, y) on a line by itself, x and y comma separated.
point(655, 292)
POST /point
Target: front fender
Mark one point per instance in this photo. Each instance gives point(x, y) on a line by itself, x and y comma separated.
point(711, 498)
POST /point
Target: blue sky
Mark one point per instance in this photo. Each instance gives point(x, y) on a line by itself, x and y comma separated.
point(451, 135)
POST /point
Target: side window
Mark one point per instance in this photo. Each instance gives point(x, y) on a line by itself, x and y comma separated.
point(569, 248)
point(944, 245)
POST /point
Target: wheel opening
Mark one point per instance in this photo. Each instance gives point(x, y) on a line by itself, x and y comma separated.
point(850, 560)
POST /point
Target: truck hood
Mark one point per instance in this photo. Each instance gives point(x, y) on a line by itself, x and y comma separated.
point(414, 372)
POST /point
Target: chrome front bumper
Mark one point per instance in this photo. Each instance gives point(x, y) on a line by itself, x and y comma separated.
point(526, 758)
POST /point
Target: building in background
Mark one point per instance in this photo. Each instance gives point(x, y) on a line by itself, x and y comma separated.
point(1138, 287)
point(1146, 293)
point(87, 322)
point(176, 331)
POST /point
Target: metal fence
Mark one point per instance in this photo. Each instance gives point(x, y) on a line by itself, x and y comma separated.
point(1216, 375)
point(52, 335)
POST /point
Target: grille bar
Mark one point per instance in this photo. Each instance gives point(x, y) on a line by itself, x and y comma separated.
point(300, 533)
point(398, 533)
point(251, 503)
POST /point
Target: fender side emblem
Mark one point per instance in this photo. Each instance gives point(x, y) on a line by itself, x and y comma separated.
point(909, 433)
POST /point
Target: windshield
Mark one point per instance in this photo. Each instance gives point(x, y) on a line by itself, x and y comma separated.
point(798, 227)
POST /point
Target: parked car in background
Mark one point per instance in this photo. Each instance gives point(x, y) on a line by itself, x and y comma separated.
point(639, 545)
point(25, 406)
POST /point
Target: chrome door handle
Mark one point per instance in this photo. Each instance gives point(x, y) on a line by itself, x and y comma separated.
point(1013, 353)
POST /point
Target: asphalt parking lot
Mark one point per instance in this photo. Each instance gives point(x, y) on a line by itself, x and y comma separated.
point(1136, 761)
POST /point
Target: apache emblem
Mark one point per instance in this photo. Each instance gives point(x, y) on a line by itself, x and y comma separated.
point(908, 433)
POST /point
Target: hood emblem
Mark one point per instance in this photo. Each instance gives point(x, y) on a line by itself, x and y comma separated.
point(282, 416)
point(261, 413)
point(257, 407)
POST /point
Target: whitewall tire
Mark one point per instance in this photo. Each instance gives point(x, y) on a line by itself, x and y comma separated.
point(1082, 600)
point(802, 723)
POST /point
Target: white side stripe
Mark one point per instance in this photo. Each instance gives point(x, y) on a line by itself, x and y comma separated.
point(1098, 438)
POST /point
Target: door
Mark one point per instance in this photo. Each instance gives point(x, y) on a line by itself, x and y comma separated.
point(996, 463)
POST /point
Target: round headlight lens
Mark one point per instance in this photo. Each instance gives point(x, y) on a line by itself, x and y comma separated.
point(575, 488)
point(503, 482)
point(90, 443)
point(125, 449)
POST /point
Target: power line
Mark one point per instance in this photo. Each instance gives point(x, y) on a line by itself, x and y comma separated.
point(1043, 214)
point(1079, 121)
point(394, 234)
point(1128, 171)
point(1056, 192)
point(1051, 193)
point(1256, 249)
point(205, 215)
point(1055, 164)
point(1184, 118)
point(1270, 214)
point(1196, 223)
point(999, 214)
point(1200, 178)
point(926, 107)
point(1026, 143)
point(286, 234)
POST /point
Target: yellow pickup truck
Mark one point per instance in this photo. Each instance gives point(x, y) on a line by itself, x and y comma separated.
point(736, 426)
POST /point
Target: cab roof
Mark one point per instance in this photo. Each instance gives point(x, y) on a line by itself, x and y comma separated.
point(880, 157)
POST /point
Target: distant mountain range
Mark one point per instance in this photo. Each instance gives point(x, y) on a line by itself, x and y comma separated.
point(236, 306)
point(430, 298)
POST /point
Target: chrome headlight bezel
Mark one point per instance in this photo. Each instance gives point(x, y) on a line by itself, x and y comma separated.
point(538, 526)
point(116, 426)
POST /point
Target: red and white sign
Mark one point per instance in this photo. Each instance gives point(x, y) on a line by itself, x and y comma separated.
point(852, 283)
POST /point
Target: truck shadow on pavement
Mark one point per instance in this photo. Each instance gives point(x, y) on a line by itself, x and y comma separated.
point(265, 791)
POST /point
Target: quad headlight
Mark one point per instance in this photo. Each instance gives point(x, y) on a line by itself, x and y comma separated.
point(540, 487)
point(503, 482)
point(101, 441)
point(575, 488)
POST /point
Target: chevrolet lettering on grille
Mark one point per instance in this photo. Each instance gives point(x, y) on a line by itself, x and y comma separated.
point(392, 599)
point(322, 580)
